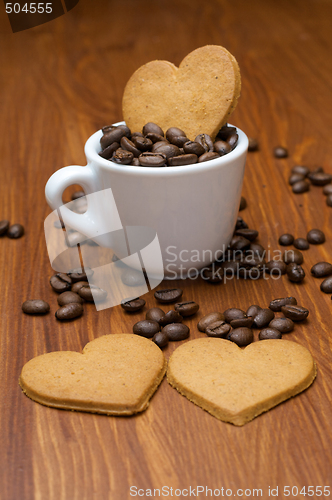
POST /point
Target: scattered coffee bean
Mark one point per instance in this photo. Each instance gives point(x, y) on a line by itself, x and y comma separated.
point(327, 189)
point(239, 243)
point(98, 294)
point(253, 310)
point(316, 237)
point(161, 339)
point(238, 323)
point(146, 328)
point(286, 240)
point(77, 286)
point(321, 269)
point(4, 226)
point(155, 314)
point(243, 203)
point(249, 234)
point(301, 244)
point(293, 178)
point(319, 178)
point(257, 249)
point(133, 305)
point(295, 272)
point(69, 298)
point(280, 152)
point(218, 329)
point(277, 304)
point(263, 318)
point(276, 267)
point(234, 313)
point(208, 319)
point(170, 317)
point(284, 325)
point(60, 282)
point(326, 285)
point(69, 311)
point(176, 331)
point(253, 144)
point(293, 256)
point(301, 187)
point(300, 169)
point(186, 308)
point(168, 295)
point(329, 200)
point(241, 336)
point(295, 313)
point(269, 333)
point(15, 231)
point(35, 306)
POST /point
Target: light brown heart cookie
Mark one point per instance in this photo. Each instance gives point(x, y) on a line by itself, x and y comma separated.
point(236, 385)
point(197, 97)
point(117, 374)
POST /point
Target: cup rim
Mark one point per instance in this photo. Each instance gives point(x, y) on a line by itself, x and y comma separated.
point(92, 148)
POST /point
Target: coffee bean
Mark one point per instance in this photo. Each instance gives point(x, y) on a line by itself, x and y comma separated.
point(146, 328)
point(263, 318)
point(295, 272)
point(210, 155)
point(222, 148)
point(300, 169)
point(241, 224)
point(69, 298)
point(234, 313)
point(174, 132)
point(218, 329)
point(142, 143)
point(225, 132)
point(122, 156)
point(107, 153)
point(4, 225)
point(293, 178)
point(239, 243)
point(253, 144)
point(321, 269)
point(177, 161)
point(15, 231)
point(135, 162)
point(98, 294)
point(186, 308)
point(155, 314)
point(277, 304)
point(241, 336)
point(231, 268)
point(319, 178)
point(327, 189)
point(276, 267)
point(253, 310)
point(170, 317)
point(295, 313)
point(132, 277)
point(243, 203)
point(160, 339)
point(152, 128)
point(249, 234)
point(256, 249)
point(301, 244)
point(208, 319)
point(169, 150)
point(129, 145)
point(137, 134)
point(35, 306)
point(168, 295)
point(69, 311)
point(205, 141)
point(152, 159)
point(316, 237)
point(77, 286)
point(192, 147)
point(232, 140)
point(329, 200)
point(300, 187)
point(284, 325)
point(176, 331)
point(60, 282)
point(133, 305)
point(77, 194)
point(286, 239)
point(238, 323)
point(293, 256)
point(112, 134)
point(280, 152)
point(326, 285)
point(78, 275)
point(154, 137)
point(269, 333)
point(213, 274)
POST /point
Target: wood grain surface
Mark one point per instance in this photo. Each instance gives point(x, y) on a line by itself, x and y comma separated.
point(62, 81)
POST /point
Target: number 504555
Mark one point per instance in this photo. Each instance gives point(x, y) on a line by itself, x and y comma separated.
point(29, 8)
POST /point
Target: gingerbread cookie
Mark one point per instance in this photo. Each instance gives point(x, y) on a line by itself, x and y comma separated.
point(236, 385)
point(117, 374)
point(197, 97)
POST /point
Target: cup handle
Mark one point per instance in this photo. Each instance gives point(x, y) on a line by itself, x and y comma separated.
point(60, 180)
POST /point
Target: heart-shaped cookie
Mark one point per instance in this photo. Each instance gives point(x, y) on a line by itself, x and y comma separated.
point(117, 374)
point(236, 385)
point(197, 97)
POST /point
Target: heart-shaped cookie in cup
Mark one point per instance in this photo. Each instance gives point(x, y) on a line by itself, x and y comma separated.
point(196, 97)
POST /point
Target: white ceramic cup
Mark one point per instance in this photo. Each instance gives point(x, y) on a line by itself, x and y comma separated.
point(192, 208)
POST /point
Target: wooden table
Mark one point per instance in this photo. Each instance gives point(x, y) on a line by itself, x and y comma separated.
point(59, 83)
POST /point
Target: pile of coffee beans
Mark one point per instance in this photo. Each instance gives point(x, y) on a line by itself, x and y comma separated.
point(237, 325)
point(302, 177)
point(152, 147)
point(323, 270)
point(13, 231)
